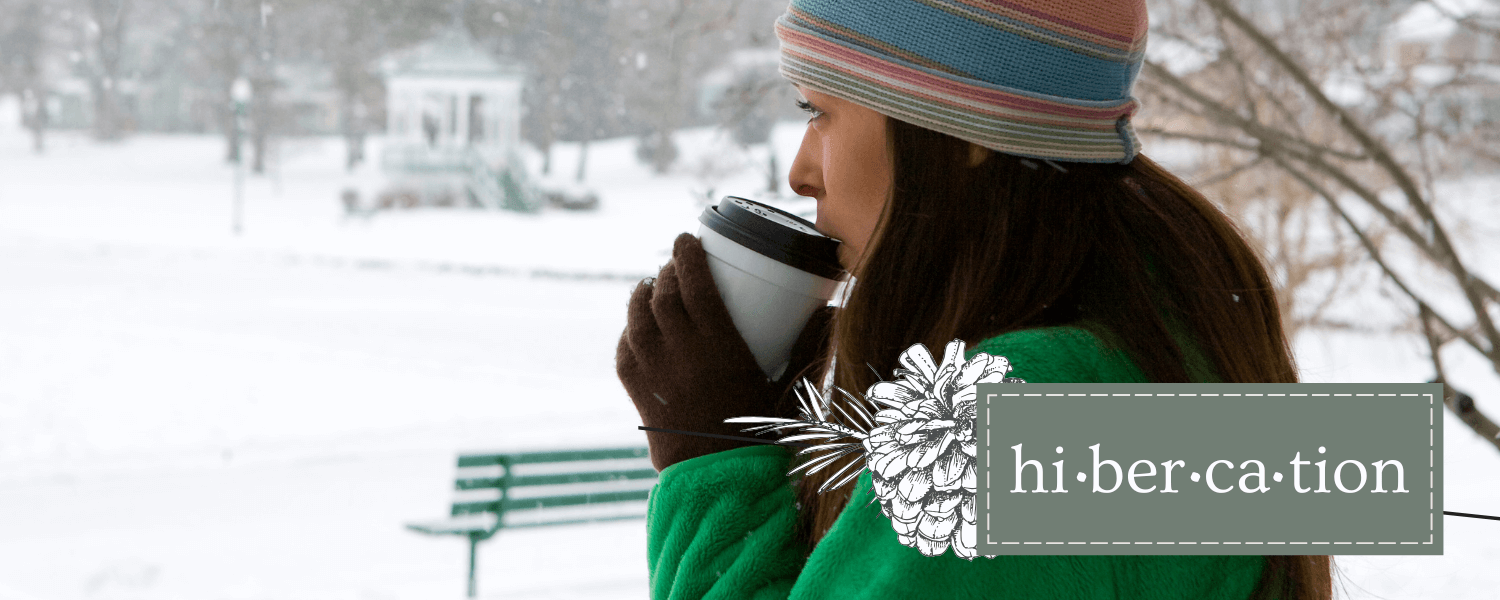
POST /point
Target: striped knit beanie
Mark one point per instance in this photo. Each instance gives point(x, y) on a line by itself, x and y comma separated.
point(1047, 79)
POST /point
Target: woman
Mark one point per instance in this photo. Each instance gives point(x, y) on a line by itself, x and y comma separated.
point(976, 159)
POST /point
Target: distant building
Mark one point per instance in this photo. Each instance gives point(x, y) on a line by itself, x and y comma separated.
point(306, 102)
point(453, 120)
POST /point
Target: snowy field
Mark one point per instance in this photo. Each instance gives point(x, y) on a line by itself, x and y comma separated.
point(187, 414)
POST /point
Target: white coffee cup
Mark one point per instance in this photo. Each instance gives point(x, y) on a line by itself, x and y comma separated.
point(773, 270)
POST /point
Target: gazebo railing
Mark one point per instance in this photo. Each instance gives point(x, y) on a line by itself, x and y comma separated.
point(500, 186)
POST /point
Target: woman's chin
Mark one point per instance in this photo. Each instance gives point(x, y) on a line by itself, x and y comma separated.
point(846, 260)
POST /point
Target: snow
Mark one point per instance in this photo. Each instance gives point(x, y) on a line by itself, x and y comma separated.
point(1432, 76)
point(1422, 23)
point(1346, 89)
point(189, 414)
point(1178, 56)
point(1431, 21)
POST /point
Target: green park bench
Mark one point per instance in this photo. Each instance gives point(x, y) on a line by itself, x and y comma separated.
point(532, 489)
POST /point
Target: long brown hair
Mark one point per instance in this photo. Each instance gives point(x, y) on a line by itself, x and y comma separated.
point(970, 252)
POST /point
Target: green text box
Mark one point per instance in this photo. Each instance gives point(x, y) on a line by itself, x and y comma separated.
point(1201, 425)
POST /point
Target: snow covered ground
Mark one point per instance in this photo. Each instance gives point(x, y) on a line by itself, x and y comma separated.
point(187, 414)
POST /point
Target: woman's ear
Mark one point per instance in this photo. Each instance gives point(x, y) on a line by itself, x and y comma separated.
point(977, 154)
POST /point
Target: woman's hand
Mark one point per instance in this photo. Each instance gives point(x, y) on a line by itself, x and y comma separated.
point(686, 367)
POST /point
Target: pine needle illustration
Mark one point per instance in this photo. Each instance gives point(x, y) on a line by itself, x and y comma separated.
point(834, 440)
point(918, 444)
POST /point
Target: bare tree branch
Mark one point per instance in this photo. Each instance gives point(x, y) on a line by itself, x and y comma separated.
point(1231, 173)
point(1466, 411)
point(1273, 141)
point(1467, 21)
point(1374, 251)
point(1205, 139)
point(1460, 403)
point(1382, 156)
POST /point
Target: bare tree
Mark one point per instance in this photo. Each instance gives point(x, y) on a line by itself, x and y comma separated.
point(25, 48)
point(551, 64)
point(667, 43)
point(356, 42)
point(264, 113)
point(1266, 98)
point(106, 30)
point(752, 102)
point(223, 31)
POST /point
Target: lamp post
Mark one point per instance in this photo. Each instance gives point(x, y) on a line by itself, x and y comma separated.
point(239, 92)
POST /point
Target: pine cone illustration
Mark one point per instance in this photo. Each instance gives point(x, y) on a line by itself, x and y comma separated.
point(921, 454)
point(919, 446)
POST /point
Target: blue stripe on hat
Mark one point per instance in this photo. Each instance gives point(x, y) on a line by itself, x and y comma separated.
point(1006, 59)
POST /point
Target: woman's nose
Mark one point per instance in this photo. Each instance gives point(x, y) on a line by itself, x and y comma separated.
point(806, 176)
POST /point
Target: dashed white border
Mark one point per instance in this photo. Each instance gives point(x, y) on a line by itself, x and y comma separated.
point(1431, 515)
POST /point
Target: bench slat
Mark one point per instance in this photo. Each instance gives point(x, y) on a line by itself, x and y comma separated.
point(451, 527)
point(489, 506)
point(521, 458)
point(573, 521)
point(495, 510)
point(575, 499)
point(478, 483)
point(470, 508)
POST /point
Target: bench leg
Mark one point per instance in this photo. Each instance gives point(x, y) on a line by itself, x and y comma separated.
point(473, 546)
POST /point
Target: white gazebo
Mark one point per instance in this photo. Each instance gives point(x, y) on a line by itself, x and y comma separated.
point(453, 122)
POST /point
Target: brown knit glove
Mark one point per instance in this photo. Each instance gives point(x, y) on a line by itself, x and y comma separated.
point(687, 368)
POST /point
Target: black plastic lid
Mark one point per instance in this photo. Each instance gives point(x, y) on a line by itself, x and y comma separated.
point(775, 233)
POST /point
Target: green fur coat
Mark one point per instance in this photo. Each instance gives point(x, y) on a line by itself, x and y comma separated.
point(722, 526)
